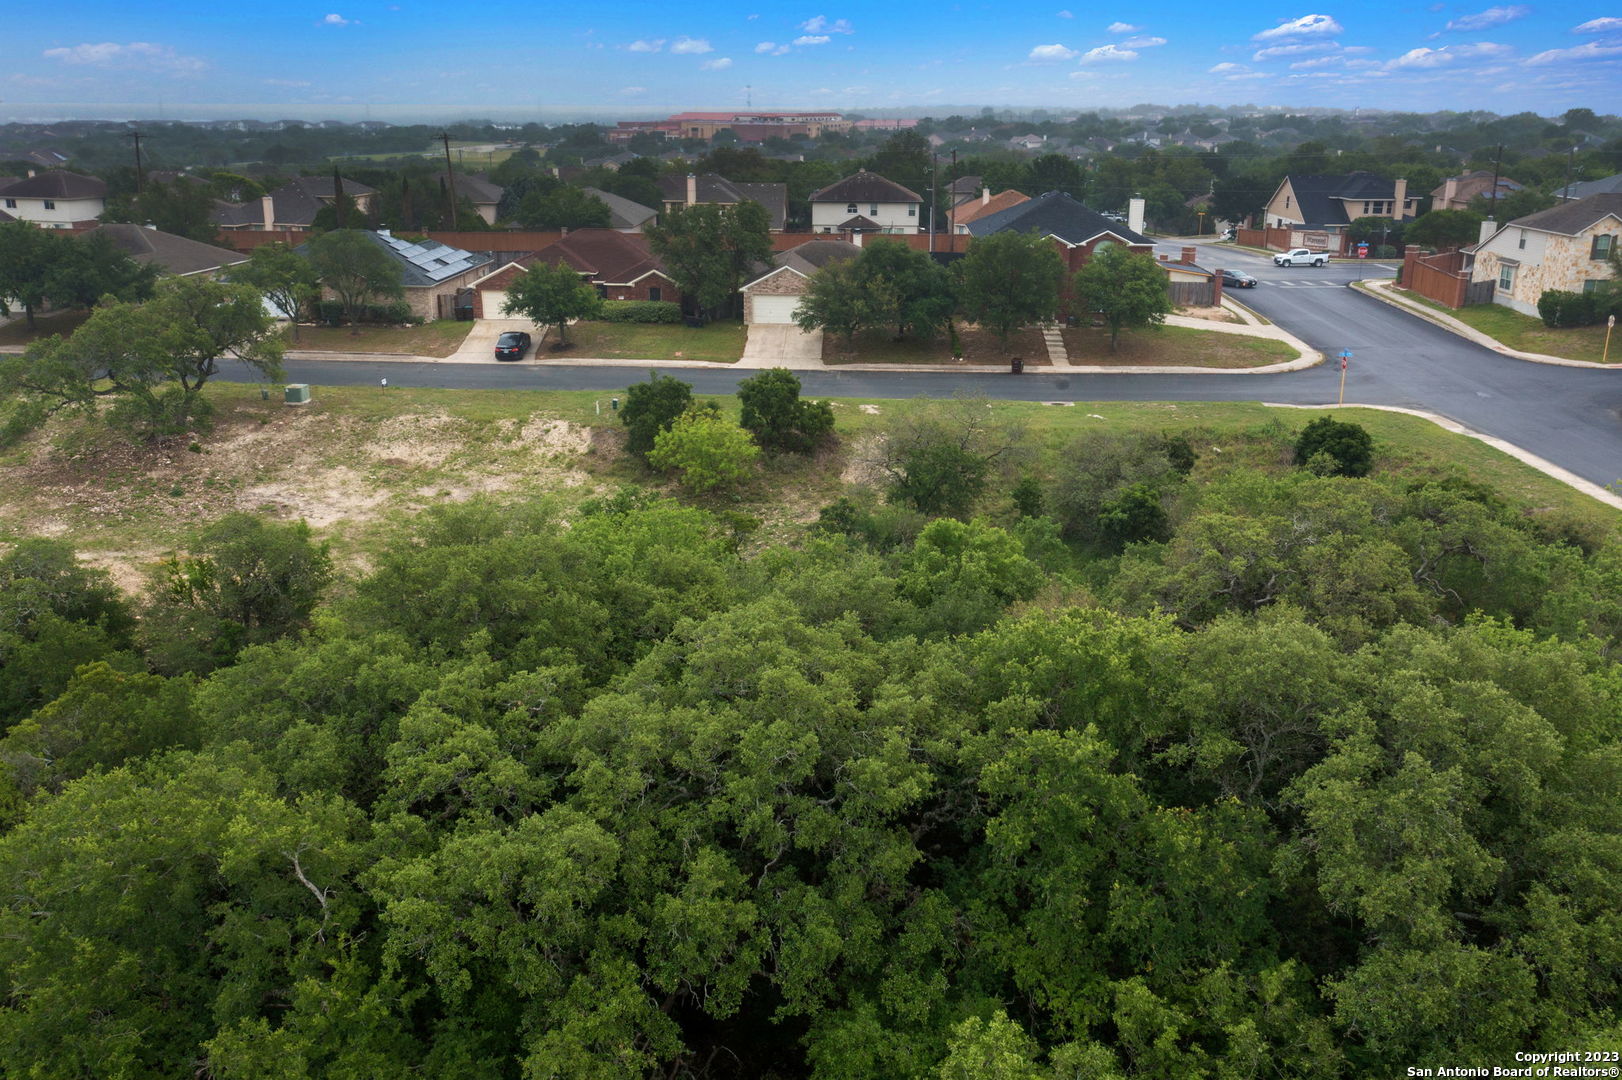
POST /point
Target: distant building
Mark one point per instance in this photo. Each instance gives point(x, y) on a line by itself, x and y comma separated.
point(749, 126)
point(55, 199)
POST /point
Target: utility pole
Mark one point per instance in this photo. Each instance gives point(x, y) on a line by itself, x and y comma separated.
point(1496, 160)
point(450, 178)
point(1571, 164)
point(136, 135)
point(934, 197)
point(951, 228)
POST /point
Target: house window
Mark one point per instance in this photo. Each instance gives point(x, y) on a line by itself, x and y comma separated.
point(1366, 210)
point(11, 204)
point(50, 204)
point(872, 208)
point(655, 294)
point(1594, 286)
point(1522, 242)
point(1602, 247)
point(912, 210)
point(850, 208)
point(1506, 278)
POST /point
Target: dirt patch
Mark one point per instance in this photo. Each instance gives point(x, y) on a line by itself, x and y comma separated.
point(1210, 314)
point(321, 497)
point(426, 441)
point(552, 436)
point(862, 467)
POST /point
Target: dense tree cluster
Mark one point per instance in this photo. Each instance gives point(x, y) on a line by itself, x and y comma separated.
point(1320, 778)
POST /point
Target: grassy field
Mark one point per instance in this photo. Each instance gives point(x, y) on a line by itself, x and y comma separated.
point(1177, 346)
point(438, 338)
point(1526, 333)
point(358, 461)
point(60, 322)
point(720, 342)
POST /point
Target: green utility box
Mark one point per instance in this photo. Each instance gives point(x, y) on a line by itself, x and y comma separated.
point(297, 393)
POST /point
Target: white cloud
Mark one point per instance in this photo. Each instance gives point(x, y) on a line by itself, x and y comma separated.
point(812, 39)
point(1588, 50)
point(1448, 54)
point(336, 20)
point(1123, 28)
point(1108, 52)
point(1065, 15)
point(632, 91)
point(1275, 51)
point(1304, 26)
point(1142, 42)
point(1607, 25)
point(720, 63)
point(820, 24)
point(647, 45)
point(1322, 61)
point(1227, 68)
point(137, 55)
point(1493, 16)
point(1053, 52)
point(686, 46)
point(771, 47)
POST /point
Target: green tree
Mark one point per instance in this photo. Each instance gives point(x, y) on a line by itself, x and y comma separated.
point(1130, 291)
point(1511, 205)
point(939, 458)
point(651, 407)
point(27, 254)
point(1010, 280)
point(355, 268)
point(1443, 228)
point(838, 301)
point(183, 207)
point(914, 291)
point(562, 207)
point(1348, 448)
point(711, 250)
point(286, 278)
point(706, 450)
point(552, 295)
point(781, 422)
point(86, 272)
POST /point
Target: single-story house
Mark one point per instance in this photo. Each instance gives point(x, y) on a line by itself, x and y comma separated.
point(431, 273)
point(713, 188)
point(1455, 192)
point(1607, 185)
point(1330, 203)
point(1564, 247)
point(968, 211)
point(54, 199)
point(291, 206)
point(624, 215)
point(621, 265)
point(893, 208)
point(171, 254)
point(1076, 229)
point(773, 296)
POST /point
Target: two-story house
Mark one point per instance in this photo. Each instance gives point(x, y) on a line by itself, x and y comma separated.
point(1330, 203)
point(55, 199)
point(1564, 247)
point(294, 205)
point(867, 203)
point(697, 189)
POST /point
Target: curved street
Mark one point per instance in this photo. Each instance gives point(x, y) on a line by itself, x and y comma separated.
point(1569, 416)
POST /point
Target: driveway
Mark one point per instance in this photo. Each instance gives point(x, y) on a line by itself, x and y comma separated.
point(480, 343)
point(774, 345)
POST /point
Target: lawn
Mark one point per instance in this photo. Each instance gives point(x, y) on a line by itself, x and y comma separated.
point(1526, 333)
point(720, 342)
point(59, 322)
point(979, 347)
point(441, 337)
point(1174, 346)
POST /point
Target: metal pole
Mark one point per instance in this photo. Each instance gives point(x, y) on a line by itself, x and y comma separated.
point(450, 177)
point(136, 135)
point(934, 197)
point(1605, 357)
point(1497, 159)
point(951, 211)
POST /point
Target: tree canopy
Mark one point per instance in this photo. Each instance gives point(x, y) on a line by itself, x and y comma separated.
point(711, 250)
point(1010, 280)
point(1127, 290)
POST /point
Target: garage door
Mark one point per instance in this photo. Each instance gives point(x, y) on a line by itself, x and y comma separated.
point(775, 309)
point(494, 300)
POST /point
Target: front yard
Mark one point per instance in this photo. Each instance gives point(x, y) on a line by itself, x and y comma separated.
point(979, 347)
point(65, 323)
point(1174, 346)
point(1527, 333)
point(717, 342)
point(439, 338)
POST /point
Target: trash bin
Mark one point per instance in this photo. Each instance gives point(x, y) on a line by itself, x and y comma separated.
point(1018, 366)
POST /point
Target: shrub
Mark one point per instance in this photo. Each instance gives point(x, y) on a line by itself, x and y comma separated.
point(330, 312)
point(640, 311)
point(706, 449)
point(1345, 449)
point(650, 408)
point(1559, 308)
point(774, 414)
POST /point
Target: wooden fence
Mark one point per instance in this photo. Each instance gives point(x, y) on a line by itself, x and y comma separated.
point(1440, 277)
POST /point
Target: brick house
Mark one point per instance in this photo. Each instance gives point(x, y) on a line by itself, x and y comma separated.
point(1076, 230)
point(621, 265)
point(773, 296)
point(1565, 247)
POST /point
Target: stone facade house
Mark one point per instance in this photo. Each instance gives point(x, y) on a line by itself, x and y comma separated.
point(431, 273)
point(1565, 247)
point(773, 296)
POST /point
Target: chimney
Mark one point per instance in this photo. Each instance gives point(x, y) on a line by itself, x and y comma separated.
point(1134, 214)
point(1488, 227)
point(1450, 188)
point(692, 189)
point(1187, 256)
point(1399, 199)
point(267, 208)
point(985, 195)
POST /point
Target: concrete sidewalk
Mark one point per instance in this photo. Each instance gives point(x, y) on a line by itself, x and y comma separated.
point(1385, 291)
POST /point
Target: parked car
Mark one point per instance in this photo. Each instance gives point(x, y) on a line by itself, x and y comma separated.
point(1301, 256)
point(1233, 279)
point(512, 345)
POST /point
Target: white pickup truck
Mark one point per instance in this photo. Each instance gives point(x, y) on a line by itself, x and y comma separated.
point(1301, 256)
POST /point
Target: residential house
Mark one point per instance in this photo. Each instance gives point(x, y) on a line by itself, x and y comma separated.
point(1455, 192)
point(1564, 247)
point(611, 162)
point(773, 296)
point(621, 265)
point(985, 204)
point(477, 189)
point(292, 206)
point(865, 202)
point(624, 215)
point(171, 254)
point(1027, 142)
point(963, 189)
point(1076, 229)
point(46, 159)
point(55, 199)
point(432, 274)
point(715, 189)
point(1583, 189)
point(1328, 204)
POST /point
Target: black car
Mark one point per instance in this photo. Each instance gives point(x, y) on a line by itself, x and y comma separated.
point(1233, 279)
point(512, 345)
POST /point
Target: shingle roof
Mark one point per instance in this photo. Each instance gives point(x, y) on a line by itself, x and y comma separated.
point(232, 214)
point(425, 264)
point(623, 213)
point(1582, 190)
point(611, 257)
point(966, 186)
point(973, 210)
point(175, 254)
point(715, 188)
point(865, 187)
point(860, 223)
point(1571, 218)
point(470, 186)
point(1054, 214)
point(56, 184)
point(296, 203)
point(1317, 197)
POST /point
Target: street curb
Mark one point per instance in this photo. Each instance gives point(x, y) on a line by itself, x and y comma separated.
point(1548, 468)
point(1381, 291)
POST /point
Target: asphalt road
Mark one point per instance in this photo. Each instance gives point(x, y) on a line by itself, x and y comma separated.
point(1569, 416)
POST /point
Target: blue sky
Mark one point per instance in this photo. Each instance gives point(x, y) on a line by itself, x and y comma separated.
point(634, 58)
